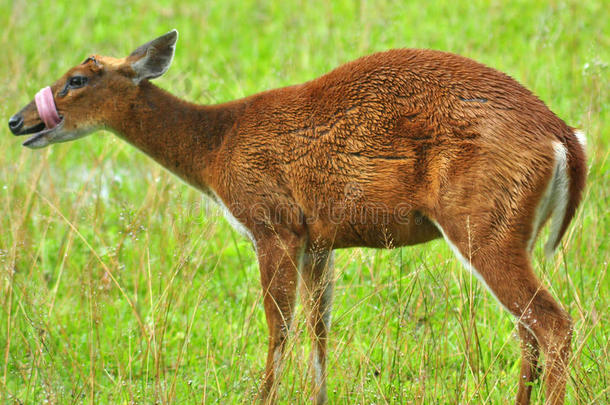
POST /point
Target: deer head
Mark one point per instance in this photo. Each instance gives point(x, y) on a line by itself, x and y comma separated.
point(88, 97)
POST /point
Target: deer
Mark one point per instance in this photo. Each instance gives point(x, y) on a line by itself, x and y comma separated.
point(406, 145)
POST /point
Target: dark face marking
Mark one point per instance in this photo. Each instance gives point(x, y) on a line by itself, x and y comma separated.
point(91, 59)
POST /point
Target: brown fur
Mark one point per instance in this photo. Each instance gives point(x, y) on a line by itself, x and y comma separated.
point(373, 154)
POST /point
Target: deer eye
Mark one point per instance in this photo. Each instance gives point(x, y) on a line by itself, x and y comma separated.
point(76, 82)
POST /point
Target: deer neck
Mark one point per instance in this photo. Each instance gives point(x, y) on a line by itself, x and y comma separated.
point(181, 136)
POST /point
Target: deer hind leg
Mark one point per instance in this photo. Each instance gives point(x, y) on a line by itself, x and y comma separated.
point(316, 294)
point(278, 261)
point(506, 271)
point(530, 351)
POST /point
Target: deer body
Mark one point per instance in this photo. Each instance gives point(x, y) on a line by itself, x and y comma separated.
point(397, 148)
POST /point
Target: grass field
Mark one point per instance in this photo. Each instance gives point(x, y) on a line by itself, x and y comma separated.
point(180, 320)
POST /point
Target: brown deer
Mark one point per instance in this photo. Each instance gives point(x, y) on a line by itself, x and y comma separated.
point(393, 149)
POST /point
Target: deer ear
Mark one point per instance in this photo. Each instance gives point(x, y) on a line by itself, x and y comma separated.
point(153, 58)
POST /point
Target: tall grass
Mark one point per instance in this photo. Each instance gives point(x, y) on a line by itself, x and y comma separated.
point(120, 284)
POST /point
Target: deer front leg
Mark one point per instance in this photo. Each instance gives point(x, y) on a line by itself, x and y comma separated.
point(278, 260)
point(316, 293)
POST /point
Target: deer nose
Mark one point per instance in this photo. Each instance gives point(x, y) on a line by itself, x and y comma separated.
point(15, 123)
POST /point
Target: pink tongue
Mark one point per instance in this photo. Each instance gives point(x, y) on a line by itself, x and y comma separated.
point(46, 107)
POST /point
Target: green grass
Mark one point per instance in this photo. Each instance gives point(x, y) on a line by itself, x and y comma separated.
point(181, 320)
